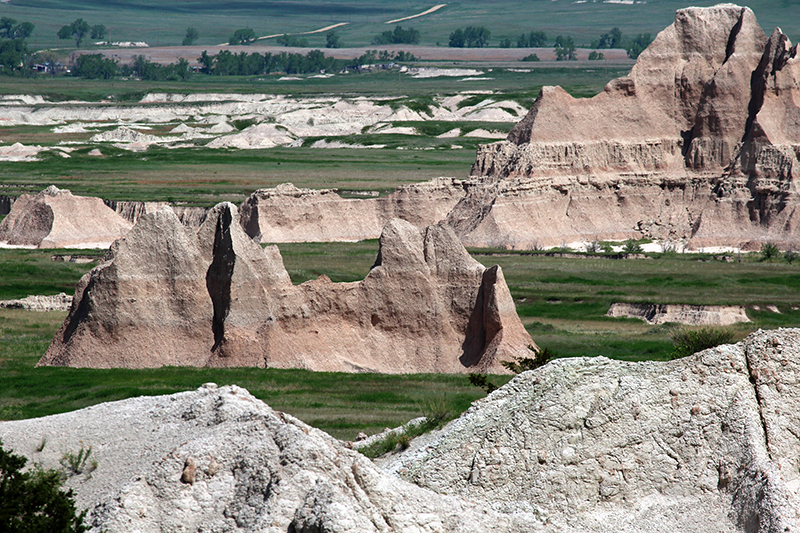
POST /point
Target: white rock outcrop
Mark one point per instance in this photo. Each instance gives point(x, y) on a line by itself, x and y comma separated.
point(704, 443)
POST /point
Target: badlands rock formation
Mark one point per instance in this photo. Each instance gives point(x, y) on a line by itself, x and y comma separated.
point(705, 443)
point(698, 142)
point(58, 302)
point(168, 295)
point(55, 218)
point(693, 315)
point(288, 214)
point(221, 460)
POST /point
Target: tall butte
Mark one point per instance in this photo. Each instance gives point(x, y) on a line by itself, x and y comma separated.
point(698, 143)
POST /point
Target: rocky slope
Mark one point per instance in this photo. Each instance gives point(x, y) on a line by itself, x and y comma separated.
point(56, 218)
point(167, 295)
point(698, 142)
point(218, 459)
point(705, 443)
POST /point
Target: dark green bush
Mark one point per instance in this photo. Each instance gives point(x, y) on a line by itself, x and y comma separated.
point(769, 251)
point(688, 341)
point(33, 501)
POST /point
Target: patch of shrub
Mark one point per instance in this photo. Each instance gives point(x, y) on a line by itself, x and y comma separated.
point(33, 500)
point(76, 463)
point(688, 341)
point(632, 247)
point(769, 251)
point(530, 57)
point(517, 366)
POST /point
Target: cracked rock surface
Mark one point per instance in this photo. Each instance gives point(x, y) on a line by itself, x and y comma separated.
point(604, 445)
point(705, 443)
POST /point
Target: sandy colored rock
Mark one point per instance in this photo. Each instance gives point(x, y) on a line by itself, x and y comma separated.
point(56, 218)
point(698, 142)
point(426, 305)
point(289, 214)
point(693, 315)
point(590, 444)
point(145, 306)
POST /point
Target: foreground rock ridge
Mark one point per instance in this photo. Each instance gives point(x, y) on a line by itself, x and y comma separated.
point(699, 142)
point(704, 443)
point(708, 442)
point(171, 295)
point(55, 218)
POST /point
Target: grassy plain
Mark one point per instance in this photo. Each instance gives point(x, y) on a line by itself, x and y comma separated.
point(164, 23)
point(562, 301)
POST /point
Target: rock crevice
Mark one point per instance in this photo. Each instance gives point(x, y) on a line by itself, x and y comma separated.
point(168, 295)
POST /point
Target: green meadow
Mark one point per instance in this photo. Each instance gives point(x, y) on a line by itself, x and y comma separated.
point(562, 302)
point(164, 23)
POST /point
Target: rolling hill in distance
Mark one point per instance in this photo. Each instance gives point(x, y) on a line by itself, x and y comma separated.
point(161, 23)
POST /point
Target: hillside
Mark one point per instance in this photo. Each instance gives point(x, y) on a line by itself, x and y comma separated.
point(164, 24)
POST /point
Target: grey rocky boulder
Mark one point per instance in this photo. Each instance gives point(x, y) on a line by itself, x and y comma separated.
point(709, 442)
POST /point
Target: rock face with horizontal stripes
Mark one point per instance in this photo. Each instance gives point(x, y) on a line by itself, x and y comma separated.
point(698, 143)
point(170, 295)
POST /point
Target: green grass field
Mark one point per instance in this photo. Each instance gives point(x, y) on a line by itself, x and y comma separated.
point(160, 23)
point(562, 302)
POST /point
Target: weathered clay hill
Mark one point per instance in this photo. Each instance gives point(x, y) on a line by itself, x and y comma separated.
point(698, 142)
point(56, 218)
point(167, 295)
point(289, 214)
point(704, 443)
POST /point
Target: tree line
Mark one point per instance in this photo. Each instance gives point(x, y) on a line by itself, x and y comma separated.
point(227, 63)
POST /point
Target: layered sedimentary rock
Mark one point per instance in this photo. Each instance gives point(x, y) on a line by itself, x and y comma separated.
point(289, 214)
point(693, 315)
point(131, 211)
point(56, 218)
point(589, 444)
point(167, 295)
point(704, 443)
point(698, 142)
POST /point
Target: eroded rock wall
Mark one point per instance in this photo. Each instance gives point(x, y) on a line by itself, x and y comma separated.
point(699, 142)
point(289, 214)
point(426, 305)
point(56, 218)
point(592, 444)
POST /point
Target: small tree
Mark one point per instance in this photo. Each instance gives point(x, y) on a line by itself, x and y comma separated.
point(632, 247)
point(33, 500)
point(191, 36)
point(457, 39)
point(332, 40)
point(243, 36)
point(769, 251)
point(78, 30)
point(596, 56)
point(565, 49)
point(638, 45)
point(99, 31)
